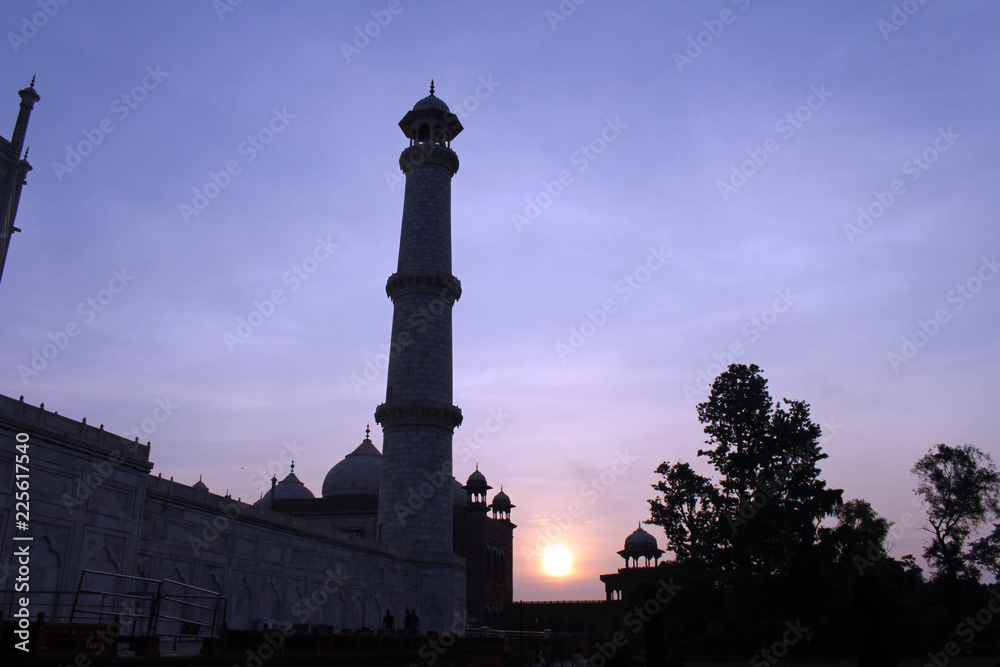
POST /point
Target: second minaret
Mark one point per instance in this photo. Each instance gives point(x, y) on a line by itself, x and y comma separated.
point(418, 418)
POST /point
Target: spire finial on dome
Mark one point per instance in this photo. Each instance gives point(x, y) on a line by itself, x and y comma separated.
point(368, 430)
point(293, 466)
point(32, 84)
point(199, 477)
point(432, 86)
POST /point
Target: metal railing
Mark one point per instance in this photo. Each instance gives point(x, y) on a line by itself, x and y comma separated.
point(148, 607)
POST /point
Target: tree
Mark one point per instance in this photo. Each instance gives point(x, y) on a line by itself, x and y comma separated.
point(767, 504)
point(961, 491)
point(986, 552)
point(687, 511)
point(859, 536)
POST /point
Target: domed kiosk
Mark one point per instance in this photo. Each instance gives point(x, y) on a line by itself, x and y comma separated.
point(502, 506)
point(639, 546)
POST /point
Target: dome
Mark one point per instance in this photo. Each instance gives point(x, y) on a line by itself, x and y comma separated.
point(477, 480)
point(290, 488)
point(640, 544)
point(640, 540)
point(501, 501)
point(431, 102)
point(360, 473)
point(200, 485)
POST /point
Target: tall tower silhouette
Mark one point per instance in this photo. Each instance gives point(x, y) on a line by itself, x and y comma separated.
point(418, 418)
point(13, 169)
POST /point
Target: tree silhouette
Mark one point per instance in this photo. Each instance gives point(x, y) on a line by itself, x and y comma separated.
point(765, 509)
point(961, 489)
point(986, 552)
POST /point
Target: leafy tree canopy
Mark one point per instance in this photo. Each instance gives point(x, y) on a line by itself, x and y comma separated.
point(765, 508)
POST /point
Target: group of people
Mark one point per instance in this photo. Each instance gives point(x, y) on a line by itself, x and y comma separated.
point(411, 622)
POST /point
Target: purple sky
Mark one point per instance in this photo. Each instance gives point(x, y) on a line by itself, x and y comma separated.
point(645, 189)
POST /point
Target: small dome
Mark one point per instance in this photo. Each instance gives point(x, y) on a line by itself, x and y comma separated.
point(501, 501)
point(477, 478)
point(290, 488)
point(359, 473)
point(200, 485)
point(640, 544)
point(431, 102)
point(640, 540)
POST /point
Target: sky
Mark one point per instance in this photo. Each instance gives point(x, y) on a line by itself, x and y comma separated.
point(647, 192)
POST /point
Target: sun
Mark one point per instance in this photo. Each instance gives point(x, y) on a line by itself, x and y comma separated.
point(557, 560)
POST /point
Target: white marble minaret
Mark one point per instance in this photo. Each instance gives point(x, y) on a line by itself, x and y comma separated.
point(418, 417)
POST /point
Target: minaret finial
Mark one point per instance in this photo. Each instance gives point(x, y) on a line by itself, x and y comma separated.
point(26, 152)
point(293, 466)
point(32, 84)
point(432, 86)
point(368, 430)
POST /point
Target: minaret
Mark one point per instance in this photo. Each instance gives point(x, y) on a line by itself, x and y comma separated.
point(418, 417)
point(14, 169)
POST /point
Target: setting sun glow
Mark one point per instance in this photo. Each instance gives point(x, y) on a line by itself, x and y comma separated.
point(557, 560)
